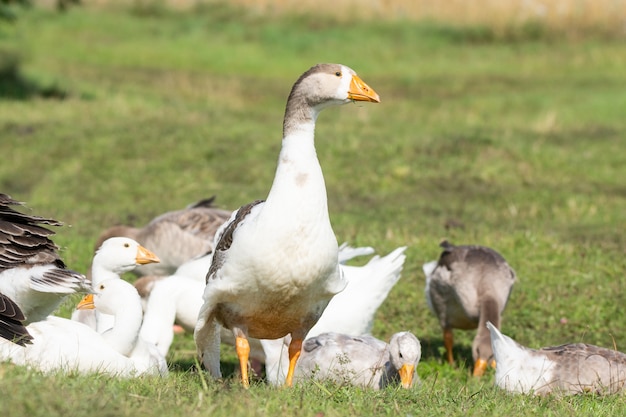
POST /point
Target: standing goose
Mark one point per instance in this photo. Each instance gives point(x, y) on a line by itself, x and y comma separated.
point(175, 236)
point(114, 257)
point(33, 278)
point(360, 360)
point(275, 264)
point(467, 287)
point(567, 369)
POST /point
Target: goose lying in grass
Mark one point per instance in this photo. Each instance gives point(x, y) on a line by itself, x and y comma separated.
point(567, 369)
point(467, 287)
point(175, 236)
point(64, 345)
point(360, 360)
point(351, 312)
point(33, 278)
point(275, 265)
point(114, 257)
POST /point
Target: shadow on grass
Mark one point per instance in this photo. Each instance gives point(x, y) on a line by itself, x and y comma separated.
point(435, 350)
point(13, 85)
point(230, 370)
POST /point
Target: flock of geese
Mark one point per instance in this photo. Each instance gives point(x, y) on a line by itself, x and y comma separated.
point(271, 279)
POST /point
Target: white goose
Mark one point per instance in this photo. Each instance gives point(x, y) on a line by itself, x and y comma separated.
point(120, 300)
point(114, 257)
point(175, 236)
point(360, 360)
point(275, 265)
point(566, 369)
point(351, 312)
point(64, 345)
point(33, 279)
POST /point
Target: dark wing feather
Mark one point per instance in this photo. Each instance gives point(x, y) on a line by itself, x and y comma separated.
point(226, 238)
point(11, 327)
point(206, 203)
point(23, 239)
point(24, 242)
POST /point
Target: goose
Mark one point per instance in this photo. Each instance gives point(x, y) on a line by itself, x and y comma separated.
point(178, 299)
point(120, 299)
point(351, 312)
point(360, 360)
point(566, 369)
point(33, 278)
point(61, 344)
point(275, 264)
point(175, 236)
point(114, 257)
point(465, 288)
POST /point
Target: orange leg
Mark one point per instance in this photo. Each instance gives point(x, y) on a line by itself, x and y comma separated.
point(243, 353)
point(448, 341)
point(295, 348)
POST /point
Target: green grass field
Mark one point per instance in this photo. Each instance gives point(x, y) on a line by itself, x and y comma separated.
point(117, 114)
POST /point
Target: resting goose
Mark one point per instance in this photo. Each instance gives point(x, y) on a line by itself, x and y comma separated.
point(64, 345)
point(120, 300)
point(467, 287)
point(275, 265)
point(33, 278)
point(175, 236)
point(360, 360)
point(351, 312)
point(567, 369)
point(114, 257)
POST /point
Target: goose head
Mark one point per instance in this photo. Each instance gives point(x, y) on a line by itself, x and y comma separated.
point(121, 254)
point(405, 351)
point(111, 296)
point(324, 85)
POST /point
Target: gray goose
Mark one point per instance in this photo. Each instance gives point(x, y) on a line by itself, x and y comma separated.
point(566, 369)
point(275, 265)
point(465, 288)
point(33, 278)
point(175, 237)
point(360, 360)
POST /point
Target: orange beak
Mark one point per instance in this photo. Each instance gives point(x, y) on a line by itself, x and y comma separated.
point(144, 256)
point(406, 375)
point(480, 367)
point(359, 91)
point(86, 303)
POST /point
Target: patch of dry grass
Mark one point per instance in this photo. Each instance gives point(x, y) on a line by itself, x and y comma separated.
point(571, 17)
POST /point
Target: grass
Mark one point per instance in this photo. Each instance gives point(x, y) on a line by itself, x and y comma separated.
point(116, 114)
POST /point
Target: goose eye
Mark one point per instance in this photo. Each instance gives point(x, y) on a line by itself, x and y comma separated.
point(338, 73)
point(101, 286)
point(126, 245)
point(400, 354)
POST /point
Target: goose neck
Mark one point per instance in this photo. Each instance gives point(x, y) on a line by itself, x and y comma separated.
point(123, 336)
